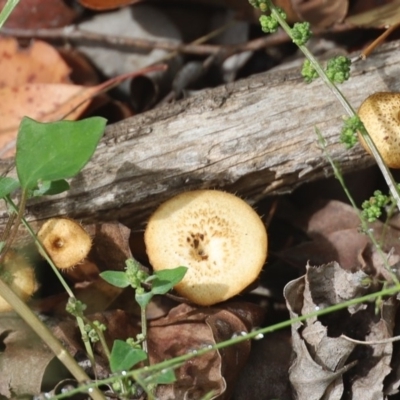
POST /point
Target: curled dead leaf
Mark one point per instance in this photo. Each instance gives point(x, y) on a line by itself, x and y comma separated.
point(326, 364)
point(187, 329)
point(319, 13)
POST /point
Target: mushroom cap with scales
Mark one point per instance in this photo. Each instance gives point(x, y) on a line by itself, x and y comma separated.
point(66, 242)
point(217, 235)
point(380, 114)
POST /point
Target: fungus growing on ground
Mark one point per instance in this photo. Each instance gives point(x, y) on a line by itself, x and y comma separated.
point(217, 235)
point(66, 242)
point(18, 273)
point(380, 114)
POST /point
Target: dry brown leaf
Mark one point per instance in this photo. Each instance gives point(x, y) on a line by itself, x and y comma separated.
point(265, 375)
point(26, 364)
point(336, 236)
point(344, 246)
point(82, 71)
point(326, 364)
point(319, 13)
point(98, 295)
point(48, 102)
point(379, 17)
point(187, 329)
point(319, 360)
point(326, 216)
point(39, 14)
point(110, 248)
point(120, 325)
point(38, 63)
point(102, 5)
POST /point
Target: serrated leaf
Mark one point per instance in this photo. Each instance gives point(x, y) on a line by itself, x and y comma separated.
point(116, 278)
point(166, 279)
point(124, 357)
point(55, 150)
point(7, 186)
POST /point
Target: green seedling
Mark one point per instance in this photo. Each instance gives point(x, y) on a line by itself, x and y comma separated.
point(47, 154)
point(126, 354)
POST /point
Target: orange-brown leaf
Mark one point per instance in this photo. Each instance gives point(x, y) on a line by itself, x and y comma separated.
point(106, 4)
point(38, 63)
point(49, 102)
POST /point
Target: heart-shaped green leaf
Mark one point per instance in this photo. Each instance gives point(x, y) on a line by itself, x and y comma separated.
point(55, 150)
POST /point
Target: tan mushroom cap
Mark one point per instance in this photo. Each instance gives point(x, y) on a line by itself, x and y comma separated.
point(380, 115)
point(20, 276)
point(217, 235)
point(66, 242)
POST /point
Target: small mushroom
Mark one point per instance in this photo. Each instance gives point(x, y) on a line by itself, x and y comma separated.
point(66, 242)
point(380, 114)
point(18, 273)
point(217, 235)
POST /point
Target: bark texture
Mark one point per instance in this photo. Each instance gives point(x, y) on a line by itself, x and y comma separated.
point(255, 137)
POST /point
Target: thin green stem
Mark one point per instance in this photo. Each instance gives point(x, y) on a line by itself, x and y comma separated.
point(101, 337)
point(143, 321)
point(7, 229)
point(69, 291)
point(7, 10)
point(175, 362)
point(364, 223)
point(17, 221)
point(47, 336)
point(14, 207)
point(346, 105)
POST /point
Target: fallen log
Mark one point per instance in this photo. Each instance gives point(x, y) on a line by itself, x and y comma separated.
point(255, 137)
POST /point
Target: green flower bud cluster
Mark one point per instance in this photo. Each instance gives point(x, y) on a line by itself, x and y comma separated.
point(338, 69)
point(372, 208)
point(308, 71)
point(269, 23)
point(92, 331)
point(261, 4)
point(348, 135)
point(135, 274)
point(75, 307)
point(301, 33)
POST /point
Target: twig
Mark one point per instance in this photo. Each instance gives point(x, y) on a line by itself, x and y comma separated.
point(369, 342)
point(74, 34)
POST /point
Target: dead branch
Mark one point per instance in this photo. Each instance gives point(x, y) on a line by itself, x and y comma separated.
point(255, 137)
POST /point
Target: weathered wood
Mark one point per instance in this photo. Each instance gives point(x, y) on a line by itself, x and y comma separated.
point(255, 137)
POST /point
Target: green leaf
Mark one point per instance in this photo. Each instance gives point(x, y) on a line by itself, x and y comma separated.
point(164, 377)
point(166, 279)
point(124, 357)
point(7, 186)
point(143, 299)
point(48, 188)
point(55, 150)
point(116, 278)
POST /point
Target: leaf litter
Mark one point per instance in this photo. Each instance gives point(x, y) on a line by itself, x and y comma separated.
point(337, 261)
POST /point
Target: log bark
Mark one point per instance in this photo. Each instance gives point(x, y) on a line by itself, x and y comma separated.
point(255, 137)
